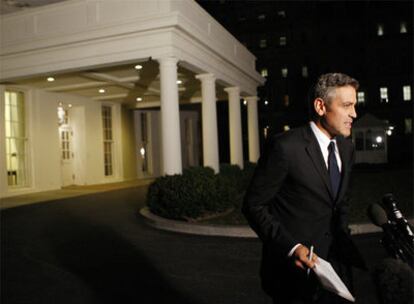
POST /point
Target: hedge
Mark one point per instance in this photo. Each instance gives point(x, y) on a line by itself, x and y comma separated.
point(198, 192)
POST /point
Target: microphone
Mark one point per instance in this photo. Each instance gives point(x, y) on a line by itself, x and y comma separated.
point(377, 215)
point(390, 204)
point(394, 244)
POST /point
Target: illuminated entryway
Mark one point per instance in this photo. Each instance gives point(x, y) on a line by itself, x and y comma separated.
point(66, 146)
point(169, 66)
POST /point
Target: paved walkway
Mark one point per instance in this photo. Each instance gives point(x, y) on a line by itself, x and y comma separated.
point(67, 192)
point(152, 220)
point(96, 249)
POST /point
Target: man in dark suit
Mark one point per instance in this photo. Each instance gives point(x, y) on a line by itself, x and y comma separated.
point(297, 197)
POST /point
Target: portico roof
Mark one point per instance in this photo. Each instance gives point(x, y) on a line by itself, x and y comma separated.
point(88, 45)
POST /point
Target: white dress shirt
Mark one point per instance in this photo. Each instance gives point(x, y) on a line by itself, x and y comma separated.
point(324, 142)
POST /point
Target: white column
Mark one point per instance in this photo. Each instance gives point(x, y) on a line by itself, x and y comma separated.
point(170, 117)
point(209, 121)
point(253, 128)
point(235, 127)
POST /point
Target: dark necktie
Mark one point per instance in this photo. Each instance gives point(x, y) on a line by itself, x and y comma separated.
point(333, 169)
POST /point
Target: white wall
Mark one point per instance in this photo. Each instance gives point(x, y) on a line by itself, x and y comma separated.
point(44, 141)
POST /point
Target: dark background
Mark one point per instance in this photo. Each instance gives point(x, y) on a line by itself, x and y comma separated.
point(324, 36)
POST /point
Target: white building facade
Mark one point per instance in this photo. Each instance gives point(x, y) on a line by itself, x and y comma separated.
point(104, 91)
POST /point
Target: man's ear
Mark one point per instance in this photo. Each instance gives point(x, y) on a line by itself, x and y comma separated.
point(319, 106)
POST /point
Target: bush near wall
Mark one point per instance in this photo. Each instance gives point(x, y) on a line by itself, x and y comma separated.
point(198, 192)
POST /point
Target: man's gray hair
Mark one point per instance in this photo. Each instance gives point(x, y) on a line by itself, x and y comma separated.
point(328, 82)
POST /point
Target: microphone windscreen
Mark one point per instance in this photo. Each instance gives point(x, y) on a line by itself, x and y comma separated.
point(377, 215)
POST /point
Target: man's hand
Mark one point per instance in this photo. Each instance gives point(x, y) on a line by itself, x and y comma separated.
point(300, 257)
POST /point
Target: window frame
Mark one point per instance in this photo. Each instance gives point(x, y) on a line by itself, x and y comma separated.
point(108, 143)
point(24, 140)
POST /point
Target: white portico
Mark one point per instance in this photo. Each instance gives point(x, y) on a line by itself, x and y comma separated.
point(182, 57)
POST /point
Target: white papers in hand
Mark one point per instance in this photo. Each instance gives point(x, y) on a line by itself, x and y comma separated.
point(330, 279)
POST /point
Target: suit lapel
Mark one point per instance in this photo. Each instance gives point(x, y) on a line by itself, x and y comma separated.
point(314, 151)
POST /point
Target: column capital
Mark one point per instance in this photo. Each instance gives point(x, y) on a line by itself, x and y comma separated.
point(251, 98)
point(167, 60)
point(205, 77)
point(232, 90)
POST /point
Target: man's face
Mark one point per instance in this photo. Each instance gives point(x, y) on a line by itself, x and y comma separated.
point(339, 113)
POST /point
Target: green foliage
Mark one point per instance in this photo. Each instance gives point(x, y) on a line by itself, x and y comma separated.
point(198, 192)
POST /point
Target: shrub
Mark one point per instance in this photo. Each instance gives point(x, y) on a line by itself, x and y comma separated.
point(190, 195)
point(197, 192)
point(237, 179)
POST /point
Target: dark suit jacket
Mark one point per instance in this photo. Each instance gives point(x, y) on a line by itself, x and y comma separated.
point(290, 201)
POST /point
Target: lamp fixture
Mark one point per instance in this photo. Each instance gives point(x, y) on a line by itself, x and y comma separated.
point(138, 67)
point(50, 79)
point(102, 91)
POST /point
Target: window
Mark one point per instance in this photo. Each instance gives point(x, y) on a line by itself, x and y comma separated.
point(305, 71)
point(408, 123)
point(284, 72)
point(16, 141)
point(361, 97)
point(286, 100)
point(264, 72)
point(282, 40)
point(281, 13)
point(380, 30)
point(107, 139)
point(262, 43)
point(407, 92)
point(65, 144)
point(261, 17)
point(384, 94)
point(403, 27)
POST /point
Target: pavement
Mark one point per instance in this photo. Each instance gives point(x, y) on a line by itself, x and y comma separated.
point(96, 248)
point(67, 192)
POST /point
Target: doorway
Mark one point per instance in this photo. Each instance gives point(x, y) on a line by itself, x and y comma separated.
point(66, 146)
